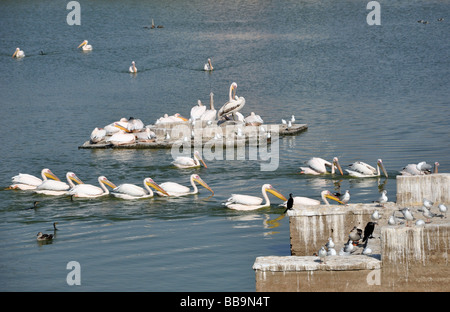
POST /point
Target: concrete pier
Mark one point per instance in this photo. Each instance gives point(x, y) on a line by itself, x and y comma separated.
point(405, 257)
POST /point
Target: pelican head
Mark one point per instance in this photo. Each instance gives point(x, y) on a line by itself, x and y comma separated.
point(180, 117)
point(85, 42)
point(151, 183)
point(269, 188)
point(380, 164)
point(329, 195)
point(49, 174)
point(199, 180)
point(72, 176)
point(336, 163)
point(105, 181)
point(17, 53)
point(197, 155)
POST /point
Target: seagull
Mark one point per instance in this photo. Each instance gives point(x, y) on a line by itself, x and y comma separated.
point(443, 209)
point(407, 214)
point(330, 243)
point(368, 231)
point(34, 205)
point(345, 198)
point(427, 203)
point(331, 252)
point(383, 199)
point(322, 254)
point(355, 234)
point(292, 118)
point(428, 214)
point(367, 250)
point(375, 215)
point(392, 220)
point(283, 122)
point(420, 222)
point(347, 249)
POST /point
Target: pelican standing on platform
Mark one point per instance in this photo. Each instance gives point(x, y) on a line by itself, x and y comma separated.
point(133, 68)
point(360, 169)
point(197, 111)
point(175, 189)
point(18, 53)
point(92, 191)
point(131, 191)
point(247, 202)
point(184, 162)
point(208, 66)
point(210, 114)
point(318, 166)
point(85, 46)
point(306, 201)
point(234, 103)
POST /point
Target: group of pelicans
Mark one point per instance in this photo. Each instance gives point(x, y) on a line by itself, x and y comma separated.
point(129, 131)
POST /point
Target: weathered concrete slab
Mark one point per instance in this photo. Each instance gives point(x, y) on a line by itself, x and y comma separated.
point(411, 190)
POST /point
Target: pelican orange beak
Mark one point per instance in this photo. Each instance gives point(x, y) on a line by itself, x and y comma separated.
point(338, 166)
point(82, 44)
point(203, 183)
point(15, 53)
point(197, 155)
point(276, 193)
point(380, 164)
point(153, 184)
point(109, 183)
point(75, 179)
point(332, 197)
point(182, 118)
point(51, 175)
point(121, 127)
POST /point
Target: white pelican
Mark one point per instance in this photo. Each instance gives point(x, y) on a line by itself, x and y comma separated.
point(234, 103)
point(146, 135)
point(306, 201)
point(188, 162)
point(133, 68)
point(175, 189)
point(98, 135)
point(253, 120)
point(317, 165)
point(208, 66)
point(131, 191)
point(91, 191)
point(56, 186)
point(18, 53)
point(198, 110)
point(362, 170)
point(210, 114)
point(111, 128)
point(121, 137)
point(25, 181)
point(247, 202)
point(130, 125)
point(170, 119)
point(85, 46)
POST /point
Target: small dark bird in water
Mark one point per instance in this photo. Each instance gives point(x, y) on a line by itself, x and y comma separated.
point(368, 230)
point(44, 237)
point(41, 52)
point(290, 203)
point(34, 205)
point(440, 19)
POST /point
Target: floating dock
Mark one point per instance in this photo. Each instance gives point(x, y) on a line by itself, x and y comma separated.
point(404, 257)
point(229, 134)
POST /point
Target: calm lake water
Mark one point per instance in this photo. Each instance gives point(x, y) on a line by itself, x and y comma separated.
point(366, 92)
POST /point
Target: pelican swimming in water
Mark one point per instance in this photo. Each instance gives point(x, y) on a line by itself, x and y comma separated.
point(247, 202)
point(188, 162)
point(85, 46)
point(306, 201)
point(234, 103)
point(175, 189)
point(133, 68)
point(92, 191)
point(25, 181)
point(317, 165)
point(360, 169)
point(210, 114)
point(253, 120)
point(18, 53)
point(56, 186)
point(131, 191)
point(208, 66)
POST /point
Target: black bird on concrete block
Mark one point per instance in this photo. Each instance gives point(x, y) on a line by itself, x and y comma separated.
point(368, 230)
point(290, 203)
